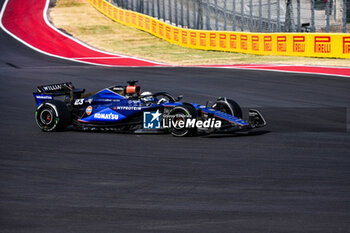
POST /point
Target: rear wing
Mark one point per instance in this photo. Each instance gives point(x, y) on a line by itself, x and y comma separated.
point(56, 89)
point(47, 92)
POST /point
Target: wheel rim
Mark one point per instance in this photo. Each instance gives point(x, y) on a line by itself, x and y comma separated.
point(177, 120)
point(46, 117)
point(176, 130)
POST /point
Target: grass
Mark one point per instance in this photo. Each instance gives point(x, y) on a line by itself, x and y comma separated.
point(84, 22)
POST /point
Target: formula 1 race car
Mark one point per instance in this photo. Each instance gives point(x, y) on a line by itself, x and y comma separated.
point(123, 108)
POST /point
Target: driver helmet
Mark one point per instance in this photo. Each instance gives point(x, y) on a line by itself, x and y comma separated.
point(146, 96)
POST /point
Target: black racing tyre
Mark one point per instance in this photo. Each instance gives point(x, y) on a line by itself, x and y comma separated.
point(52, 116)
point(186, 111)
point(228, 106)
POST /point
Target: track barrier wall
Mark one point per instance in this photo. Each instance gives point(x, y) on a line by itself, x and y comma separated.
point(330, 45)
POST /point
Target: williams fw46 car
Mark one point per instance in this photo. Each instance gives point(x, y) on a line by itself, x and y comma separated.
point(124, 108)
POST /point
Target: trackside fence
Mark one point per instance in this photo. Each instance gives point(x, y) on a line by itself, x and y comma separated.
point(331, 45)
point(248, 15)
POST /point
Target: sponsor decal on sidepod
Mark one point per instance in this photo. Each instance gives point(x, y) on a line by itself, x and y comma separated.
point(88, 110)
point(128, 108)
point(106, 116)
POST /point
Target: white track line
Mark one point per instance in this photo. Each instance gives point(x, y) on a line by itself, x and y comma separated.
point(29, 45)
point(71, 38)
point(88, 58)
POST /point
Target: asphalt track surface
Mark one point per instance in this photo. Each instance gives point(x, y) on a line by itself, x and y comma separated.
point(292, 176)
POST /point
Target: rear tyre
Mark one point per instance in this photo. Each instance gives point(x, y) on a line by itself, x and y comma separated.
point(52, 116)
point(182, 113)
point(228, 106)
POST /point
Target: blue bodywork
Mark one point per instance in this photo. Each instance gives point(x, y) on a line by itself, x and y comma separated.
point(110, 107)
point(124, 107)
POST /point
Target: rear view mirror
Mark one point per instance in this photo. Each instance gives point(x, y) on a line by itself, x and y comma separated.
point(179, 98)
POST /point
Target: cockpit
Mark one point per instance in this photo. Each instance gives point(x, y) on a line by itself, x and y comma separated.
point(132, 91)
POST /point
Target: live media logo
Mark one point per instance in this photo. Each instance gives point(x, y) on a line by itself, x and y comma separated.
point(152, 120)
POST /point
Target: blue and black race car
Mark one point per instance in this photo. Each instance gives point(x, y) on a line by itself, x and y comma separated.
point(124, 108)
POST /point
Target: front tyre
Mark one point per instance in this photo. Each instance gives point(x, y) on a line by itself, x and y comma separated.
point(182, 113)
point(228, 106)
point(52, 116)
